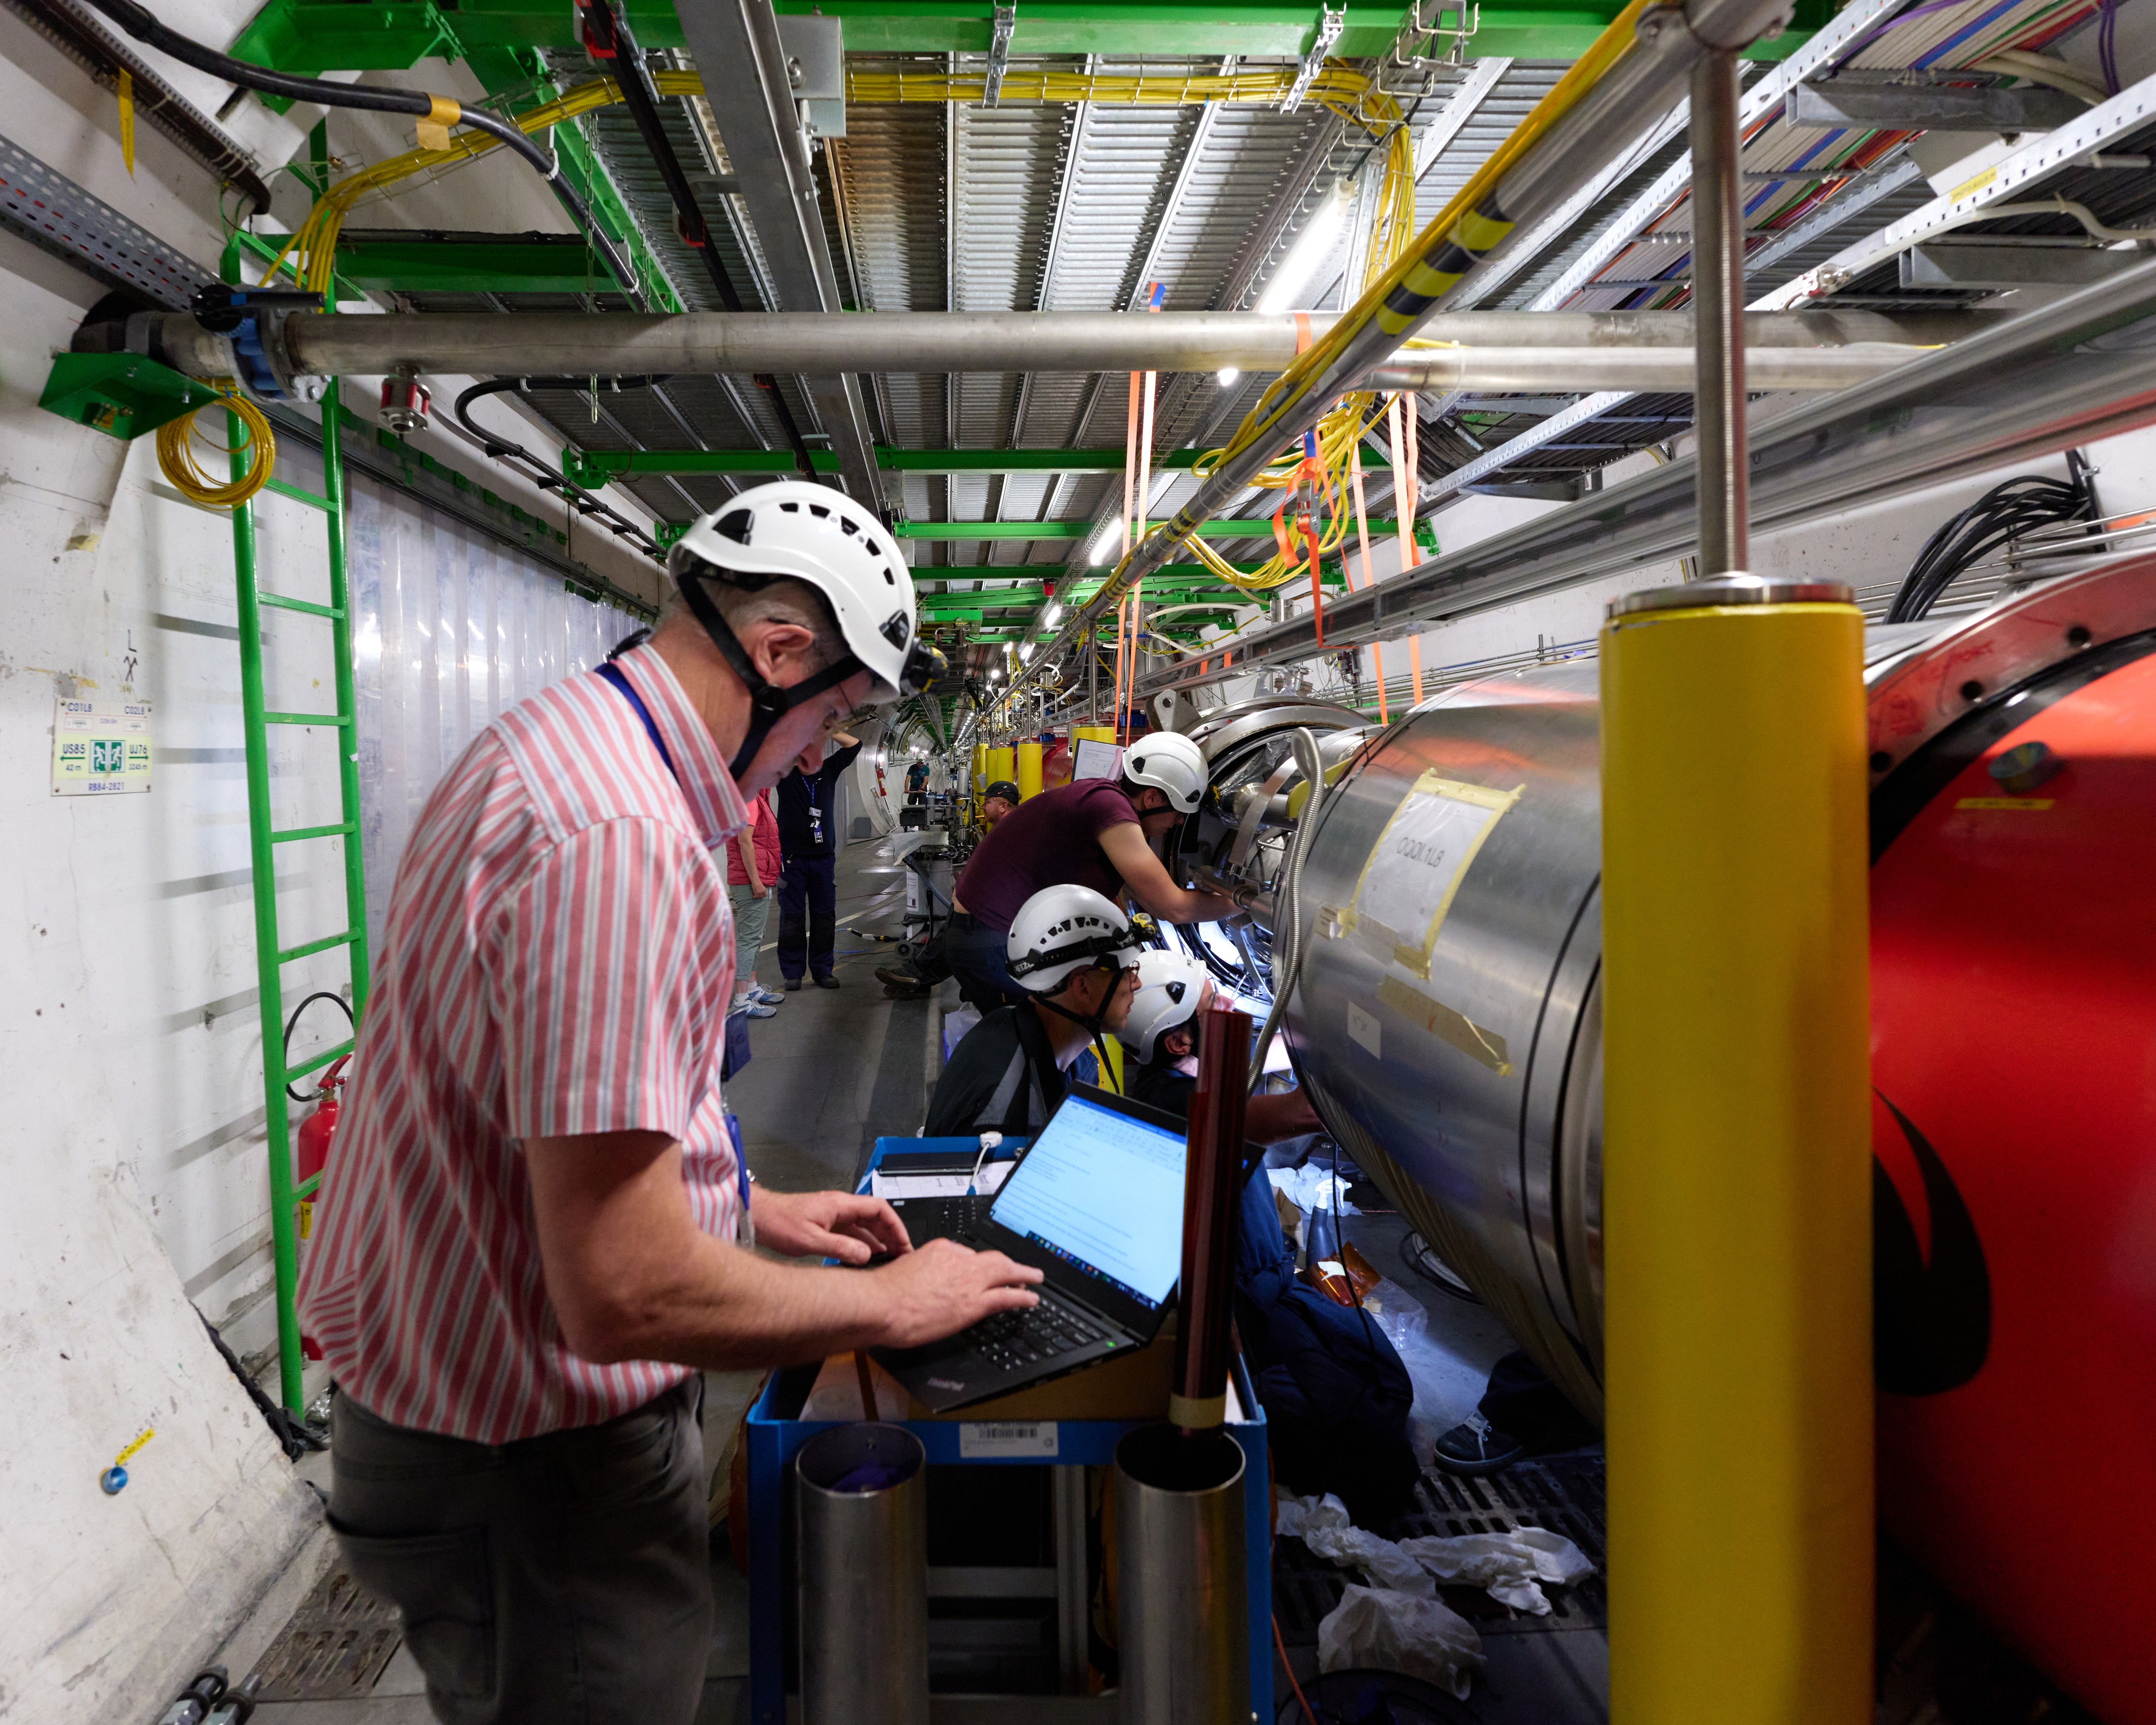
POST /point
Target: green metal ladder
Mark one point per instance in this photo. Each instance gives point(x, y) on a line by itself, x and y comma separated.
point(264, 836)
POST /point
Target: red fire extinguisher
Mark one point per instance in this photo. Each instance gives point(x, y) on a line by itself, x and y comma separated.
point(316, 1131)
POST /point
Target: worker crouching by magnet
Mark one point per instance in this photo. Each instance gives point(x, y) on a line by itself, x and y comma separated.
point(1097, 833)
point(1077, 957)
point(541, 1210)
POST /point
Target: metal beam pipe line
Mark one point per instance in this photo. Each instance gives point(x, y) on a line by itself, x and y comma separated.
point(1644, 371)
point(2080, 368)
point(1717, 295)
point(628, 344)
point(1641, 86)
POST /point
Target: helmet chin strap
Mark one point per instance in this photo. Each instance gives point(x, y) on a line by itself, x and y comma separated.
point(1094, 1023)
point(767, 703)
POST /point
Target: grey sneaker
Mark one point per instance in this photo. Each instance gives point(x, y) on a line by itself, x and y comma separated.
point(768, 996)
point(758, 1010)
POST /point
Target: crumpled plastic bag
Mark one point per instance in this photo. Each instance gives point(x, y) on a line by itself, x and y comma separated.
point(1507, 1565)
point(1399, 1632)
point(1312, 1187)
point(1322, 1523)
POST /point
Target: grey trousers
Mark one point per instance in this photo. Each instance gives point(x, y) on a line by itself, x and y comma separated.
point(752, 917)
point(558, 1579)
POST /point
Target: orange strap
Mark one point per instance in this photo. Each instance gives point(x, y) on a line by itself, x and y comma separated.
point(1301, 333)
point(1362, 534)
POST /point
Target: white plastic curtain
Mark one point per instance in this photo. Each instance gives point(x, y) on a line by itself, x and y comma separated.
point(450, 628)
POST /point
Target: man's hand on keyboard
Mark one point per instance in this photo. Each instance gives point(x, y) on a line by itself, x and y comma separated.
point(945, 1287)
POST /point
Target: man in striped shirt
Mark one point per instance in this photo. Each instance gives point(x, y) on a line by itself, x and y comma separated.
point(528, 1236)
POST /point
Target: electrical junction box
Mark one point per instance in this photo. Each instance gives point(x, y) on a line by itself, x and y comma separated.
point(123, 395)
point(816, 71)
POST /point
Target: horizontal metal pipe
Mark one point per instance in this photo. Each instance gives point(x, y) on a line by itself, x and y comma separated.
point(1642, 370)
point(625, 344)
point(2081, 368)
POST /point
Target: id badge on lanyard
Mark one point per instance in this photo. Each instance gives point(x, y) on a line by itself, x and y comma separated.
point(745, 1225)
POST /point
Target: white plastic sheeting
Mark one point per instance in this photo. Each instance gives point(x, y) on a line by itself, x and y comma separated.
point(451, 628)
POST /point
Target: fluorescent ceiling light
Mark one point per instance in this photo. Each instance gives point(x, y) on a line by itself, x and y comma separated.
point(1055, 610)
point(1025, 654)
point(1228, 375)
point(1107, 543)
point(1313, 249)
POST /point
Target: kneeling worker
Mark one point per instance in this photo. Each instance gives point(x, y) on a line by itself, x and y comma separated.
point(1096, 832)
point(1161, 1030)
point(1076, 956)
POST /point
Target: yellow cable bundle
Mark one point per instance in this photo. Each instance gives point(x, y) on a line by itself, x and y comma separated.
point(175, 453)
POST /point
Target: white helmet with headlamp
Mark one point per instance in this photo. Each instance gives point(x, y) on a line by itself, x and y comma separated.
point(794, 529)
point(1168, 761)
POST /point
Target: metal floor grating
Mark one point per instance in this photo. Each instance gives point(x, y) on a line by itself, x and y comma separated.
point(335, 1647)
point(1563, 1493)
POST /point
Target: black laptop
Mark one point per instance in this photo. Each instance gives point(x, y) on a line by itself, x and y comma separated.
point(1096, 1205)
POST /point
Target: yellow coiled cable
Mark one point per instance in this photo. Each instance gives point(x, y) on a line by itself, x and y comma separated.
point(175, 453)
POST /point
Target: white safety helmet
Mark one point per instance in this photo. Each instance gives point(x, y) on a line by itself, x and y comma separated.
point(1062, 930)
point(1170, 763)
point(812, 533)
point(1170, 985)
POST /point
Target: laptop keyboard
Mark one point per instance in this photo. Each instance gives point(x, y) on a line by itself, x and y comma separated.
point(1011, 1340)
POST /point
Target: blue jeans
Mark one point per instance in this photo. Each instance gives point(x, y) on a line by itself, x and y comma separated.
point(977, 957)
point(807, 914)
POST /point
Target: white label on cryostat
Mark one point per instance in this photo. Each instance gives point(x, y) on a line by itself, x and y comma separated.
point(1364, 1028)
point(1008, 1439)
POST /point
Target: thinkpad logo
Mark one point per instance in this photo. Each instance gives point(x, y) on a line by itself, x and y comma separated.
point(943, 1383)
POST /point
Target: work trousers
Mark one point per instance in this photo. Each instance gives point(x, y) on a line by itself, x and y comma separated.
point(807, 914)
point(752, 917)
point(977, 956)
point(559, 1578)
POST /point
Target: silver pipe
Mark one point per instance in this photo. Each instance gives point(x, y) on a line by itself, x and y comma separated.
point(1718, 303)
point(1568, 158)
point(1640, 371)
point(2081, 368)
point(864, 1577)
point(1182, 1579)
point(621, 344)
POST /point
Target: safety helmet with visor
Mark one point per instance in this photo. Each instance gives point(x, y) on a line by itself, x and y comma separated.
point(795, 529)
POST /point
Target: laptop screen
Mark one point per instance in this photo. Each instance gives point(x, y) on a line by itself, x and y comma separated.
point(1104, 1192)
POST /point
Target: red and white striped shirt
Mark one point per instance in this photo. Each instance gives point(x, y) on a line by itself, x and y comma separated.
point(558, 960)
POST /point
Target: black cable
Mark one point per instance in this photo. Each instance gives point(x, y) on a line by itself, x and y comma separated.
point(2007, 510)
point(292, 1024)
point(502, 449)
point(608, 36)
point(144, 27)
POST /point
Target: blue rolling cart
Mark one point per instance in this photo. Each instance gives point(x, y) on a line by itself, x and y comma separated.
point(994, 1436)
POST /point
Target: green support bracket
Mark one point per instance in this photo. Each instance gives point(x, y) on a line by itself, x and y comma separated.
point(472, 263)
point(312, 37)
point(667, 534)
point(123, 395)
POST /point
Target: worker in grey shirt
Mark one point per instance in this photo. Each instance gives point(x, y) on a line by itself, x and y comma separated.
point(1075, 955)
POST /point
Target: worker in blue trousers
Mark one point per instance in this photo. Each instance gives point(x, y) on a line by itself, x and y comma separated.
point(808, 882)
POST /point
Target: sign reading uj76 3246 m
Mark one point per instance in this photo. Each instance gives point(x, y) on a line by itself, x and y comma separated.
point(100, 747)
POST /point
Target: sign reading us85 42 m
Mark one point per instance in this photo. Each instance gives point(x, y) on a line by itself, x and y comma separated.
point(101, 748)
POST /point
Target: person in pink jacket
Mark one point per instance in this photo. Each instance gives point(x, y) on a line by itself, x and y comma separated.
point(752, 863)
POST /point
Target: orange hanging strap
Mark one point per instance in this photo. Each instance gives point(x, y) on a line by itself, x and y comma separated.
point(1407, 531)
point(1362, 535)
point(1404, 486)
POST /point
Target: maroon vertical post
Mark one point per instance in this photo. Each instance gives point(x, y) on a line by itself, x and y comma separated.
point(1198, 1403)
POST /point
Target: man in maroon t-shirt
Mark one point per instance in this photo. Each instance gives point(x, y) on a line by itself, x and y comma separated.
point(1099, 833)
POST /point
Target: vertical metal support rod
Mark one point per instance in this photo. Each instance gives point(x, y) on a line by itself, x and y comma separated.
point(283, 1228)
point(341, 633)
point(1072, 1599)
point(1718, 302)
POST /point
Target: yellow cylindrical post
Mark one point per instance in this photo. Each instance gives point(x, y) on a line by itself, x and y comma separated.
point(1028, 777)
point(1003, 764)
point(1736, 1161)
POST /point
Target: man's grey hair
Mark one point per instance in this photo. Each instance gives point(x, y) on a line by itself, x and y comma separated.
point(784, 600)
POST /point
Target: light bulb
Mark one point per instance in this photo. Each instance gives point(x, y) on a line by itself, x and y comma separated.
point(1228, 375)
